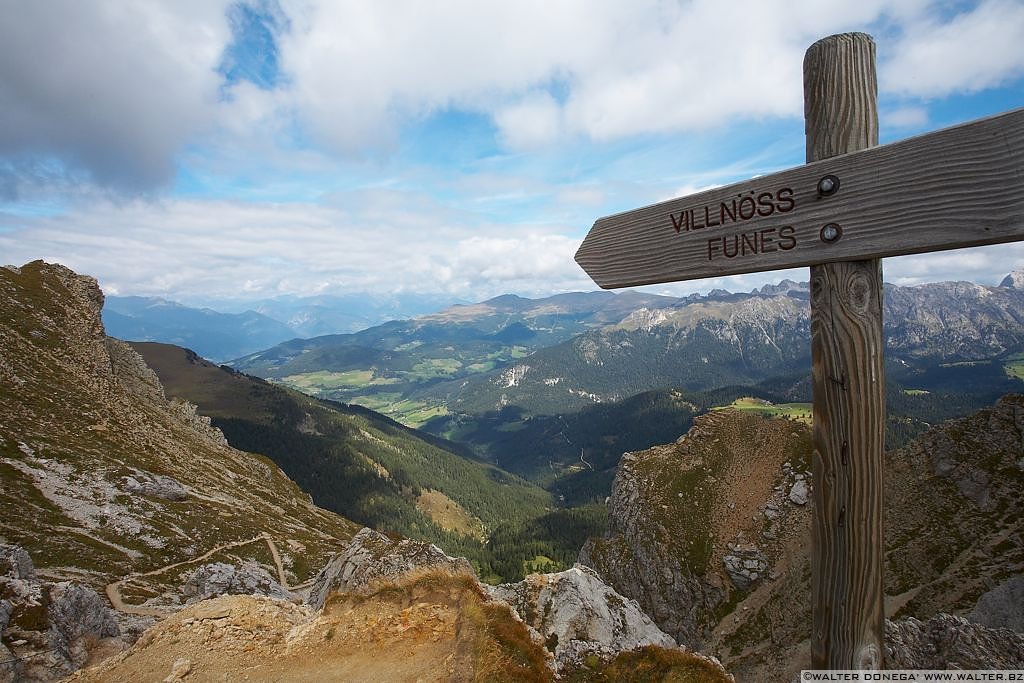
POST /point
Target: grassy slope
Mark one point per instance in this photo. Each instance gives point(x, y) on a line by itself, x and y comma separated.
point(71, 434)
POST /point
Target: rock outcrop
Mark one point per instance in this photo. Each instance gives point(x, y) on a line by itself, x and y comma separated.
point(79, 618)
point(53, 628)
point(961, 477)
point(1002, 607)
point(576, 615)
point(694, 522)
point(949, 642)
point(161, 486)
point(104, 478)
point(745, 563)
point(217, 578)
point(373, 557)
point(132, 373)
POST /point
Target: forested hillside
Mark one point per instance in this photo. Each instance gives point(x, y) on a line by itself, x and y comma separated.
point(381, 473)
point(556, 389)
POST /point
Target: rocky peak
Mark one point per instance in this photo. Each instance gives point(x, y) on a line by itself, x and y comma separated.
point(575, 614)
point(695, 522)
point(1014, 280)
point(784, 287)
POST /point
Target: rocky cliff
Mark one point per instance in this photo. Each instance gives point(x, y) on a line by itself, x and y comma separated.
point(711, 536)
point(111, 486)
point(696, 525)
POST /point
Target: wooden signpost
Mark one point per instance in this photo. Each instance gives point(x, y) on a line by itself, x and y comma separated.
point(850, 205)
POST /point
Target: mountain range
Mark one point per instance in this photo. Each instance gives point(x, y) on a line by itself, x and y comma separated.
point(118, 479)
point(586, 348)
point(543, 388)
point(240, 327)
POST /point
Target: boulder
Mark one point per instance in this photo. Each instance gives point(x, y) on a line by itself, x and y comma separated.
point(578, 615)
point(216, 579)
point(144, 483)
point(371, 556)
point(1002, 607)
point(800, 492)
point(746, 565)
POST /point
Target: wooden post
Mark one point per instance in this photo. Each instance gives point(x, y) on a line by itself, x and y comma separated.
point(847, 345)
point(954, 188)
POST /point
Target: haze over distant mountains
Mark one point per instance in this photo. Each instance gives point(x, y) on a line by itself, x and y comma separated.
point(230, 329)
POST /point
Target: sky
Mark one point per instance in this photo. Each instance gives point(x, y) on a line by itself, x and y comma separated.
point(198, 150)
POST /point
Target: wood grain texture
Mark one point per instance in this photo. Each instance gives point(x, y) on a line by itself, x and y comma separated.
point(958, 187)
point(847, 355)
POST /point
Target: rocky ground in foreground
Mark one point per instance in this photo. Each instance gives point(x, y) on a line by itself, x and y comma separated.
point(402, 610)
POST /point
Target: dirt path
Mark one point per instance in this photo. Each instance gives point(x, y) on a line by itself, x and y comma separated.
point(282, 579)
point(113, 590)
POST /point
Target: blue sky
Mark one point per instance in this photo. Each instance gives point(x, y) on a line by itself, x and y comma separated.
point(194, 150)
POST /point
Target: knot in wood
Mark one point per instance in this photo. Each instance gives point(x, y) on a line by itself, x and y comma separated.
point(859, 292)
point(869, 658)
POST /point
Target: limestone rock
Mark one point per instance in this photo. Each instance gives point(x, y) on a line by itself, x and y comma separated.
point(78, 618)
point(217, 579)
point(1002, 607)
point(156, 485)
point(371, 555)
point(577, 614)
point(8, 666)
point(800, 492)
point(15, 563)
point(6, 610)
point(1014, 280)
point(746, 565)
point(133, 373)
point(188, 413)
point(950, 642)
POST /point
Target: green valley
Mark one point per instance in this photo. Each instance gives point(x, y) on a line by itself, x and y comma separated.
point(370, 468)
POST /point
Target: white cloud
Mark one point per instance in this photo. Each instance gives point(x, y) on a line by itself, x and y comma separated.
point(977, 49)
point(381, 242)
point(531, 122)
point(601, 69)
point(113, 89)
point(126, 95)
point(117, 91)
point(985, 265)
point(904, 117)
